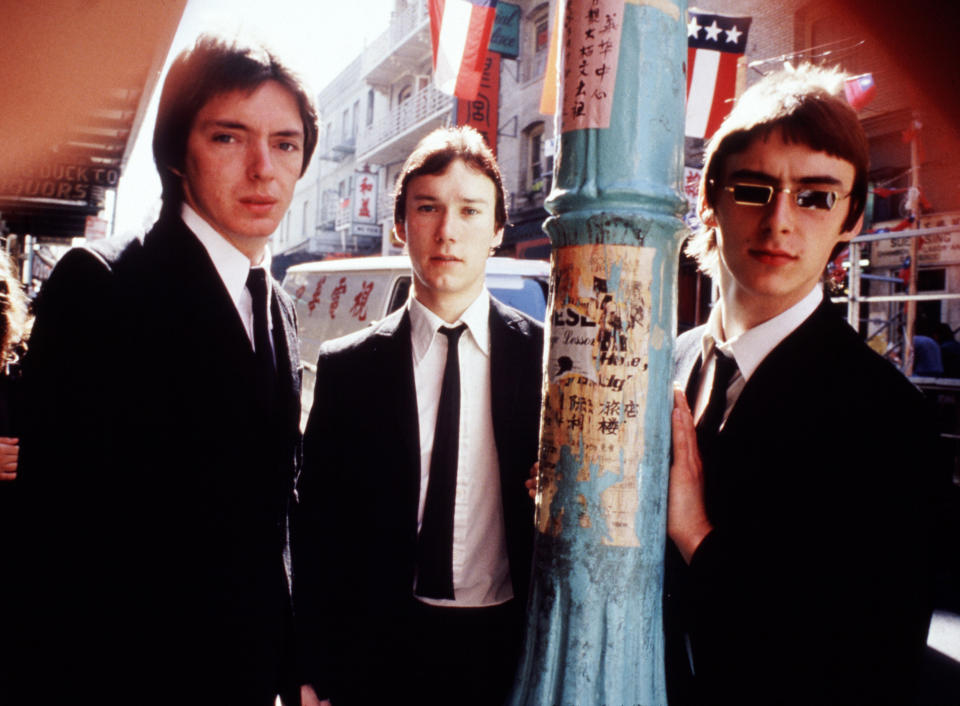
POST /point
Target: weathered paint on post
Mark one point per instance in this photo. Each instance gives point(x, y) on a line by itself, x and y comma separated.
point(594, 633)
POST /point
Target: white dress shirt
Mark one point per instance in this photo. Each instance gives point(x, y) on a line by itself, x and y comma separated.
point(748, 349)
point(232, 266)
point(481, 570)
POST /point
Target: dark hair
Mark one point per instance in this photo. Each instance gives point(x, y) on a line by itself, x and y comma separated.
point(211, 68)
point(434, 153)
point(804, 105)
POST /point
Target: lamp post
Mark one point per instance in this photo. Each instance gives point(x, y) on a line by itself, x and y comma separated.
point(594, 633)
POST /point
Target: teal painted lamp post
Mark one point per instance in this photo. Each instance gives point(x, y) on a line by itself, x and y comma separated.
point(594, 634)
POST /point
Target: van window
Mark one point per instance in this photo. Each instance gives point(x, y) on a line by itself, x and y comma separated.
point(524, 293)
point(401, 290)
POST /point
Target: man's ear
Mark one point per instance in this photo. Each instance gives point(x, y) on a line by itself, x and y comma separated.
point(707, 216)
point(497, 239)
point(848, 235)
point(399, 235)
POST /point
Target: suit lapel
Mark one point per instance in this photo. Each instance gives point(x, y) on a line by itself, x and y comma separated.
point(503, 382)
point(767, 383)
point(287, 349)
point(396, 388)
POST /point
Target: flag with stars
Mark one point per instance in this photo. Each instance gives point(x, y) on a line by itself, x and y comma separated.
point(714, 43)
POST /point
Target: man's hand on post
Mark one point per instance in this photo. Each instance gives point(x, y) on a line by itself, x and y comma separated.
point(531, 483)
point(308, 697)
point(9, 456)
point(687, 522)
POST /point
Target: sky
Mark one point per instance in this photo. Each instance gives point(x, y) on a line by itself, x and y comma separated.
point(316, 38)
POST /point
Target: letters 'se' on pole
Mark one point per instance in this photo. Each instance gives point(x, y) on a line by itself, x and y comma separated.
point(594, 630)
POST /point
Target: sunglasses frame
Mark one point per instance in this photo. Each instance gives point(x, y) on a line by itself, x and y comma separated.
point(771, 190)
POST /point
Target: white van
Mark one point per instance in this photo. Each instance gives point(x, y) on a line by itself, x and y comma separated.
point(337, 297)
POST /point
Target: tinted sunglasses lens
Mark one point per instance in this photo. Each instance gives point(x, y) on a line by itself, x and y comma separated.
point(752, 194)
point(814, 198)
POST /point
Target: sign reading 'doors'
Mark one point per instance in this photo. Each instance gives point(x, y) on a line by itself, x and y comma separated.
point(68, 182)
point(591, 47)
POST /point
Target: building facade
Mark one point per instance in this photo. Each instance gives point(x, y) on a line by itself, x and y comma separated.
point(384, 102)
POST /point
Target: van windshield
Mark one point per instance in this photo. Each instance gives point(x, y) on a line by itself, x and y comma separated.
point(526, 294)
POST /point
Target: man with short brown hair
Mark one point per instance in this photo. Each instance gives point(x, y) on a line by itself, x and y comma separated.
point(803, 475)
point(163, 433)
point(413, 534)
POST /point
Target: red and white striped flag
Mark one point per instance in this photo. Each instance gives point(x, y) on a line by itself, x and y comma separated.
point(714, 43)
point(460, 32)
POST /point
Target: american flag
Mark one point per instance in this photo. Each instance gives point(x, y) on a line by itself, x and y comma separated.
point(714, 43)
point(460, 32)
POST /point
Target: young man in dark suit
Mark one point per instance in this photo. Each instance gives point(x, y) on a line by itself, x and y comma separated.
point(163, 439)
point(803, 473)
point(413, 532)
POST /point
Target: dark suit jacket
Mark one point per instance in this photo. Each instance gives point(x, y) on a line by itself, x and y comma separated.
point(813, 587)
point(157, 482)
point(355, 528)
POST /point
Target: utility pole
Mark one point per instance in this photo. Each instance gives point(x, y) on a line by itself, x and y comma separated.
point(913, 201)
point(594, 632)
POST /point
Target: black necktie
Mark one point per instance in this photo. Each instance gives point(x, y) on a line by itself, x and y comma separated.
point(435, 545)
point(709, 425)
point(266, 365)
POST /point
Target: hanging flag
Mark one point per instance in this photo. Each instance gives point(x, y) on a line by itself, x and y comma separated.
point(859, 90)
point(482, 112)
point(714, 43)
point(548, 95)
point(460, 32)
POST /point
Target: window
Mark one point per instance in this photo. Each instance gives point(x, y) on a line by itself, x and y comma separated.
point(306, 211)
point(345, 126)
point(404, 94)
point(533, 177)
point(370, 107)
point(355, 122)
point(537, 43)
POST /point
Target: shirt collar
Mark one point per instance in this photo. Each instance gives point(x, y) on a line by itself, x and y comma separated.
point(424, 324)
point(232, 265)
point(753, 345)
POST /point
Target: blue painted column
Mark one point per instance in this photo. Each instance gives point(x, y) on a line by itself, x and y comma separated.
point(594, 634)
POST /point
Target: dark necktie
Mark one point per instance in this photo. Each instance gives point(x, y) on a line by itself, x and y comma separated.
point(709, 425)
point(435, 545)
point(266, 365)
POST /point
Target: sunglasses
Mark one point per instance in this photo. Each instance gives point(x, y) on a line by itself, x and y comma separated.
point(760, 195)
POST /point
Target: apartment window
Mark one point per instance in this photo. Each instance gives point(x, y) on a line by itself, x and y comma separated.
point(370, 107)
point(533, 161)
point(328, 142)
point(404, 94)
point(541, 31)
point(355, 122)
point(306, 211)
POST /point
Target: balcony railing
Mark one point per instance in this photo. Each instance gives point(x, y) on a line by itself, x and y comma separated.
point(401, 25)
point(425, 103)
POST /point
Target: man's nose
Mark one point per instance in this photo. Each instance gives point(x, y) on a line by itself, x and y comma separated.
point(259, 162)
point(779, 214)
point(446, 229)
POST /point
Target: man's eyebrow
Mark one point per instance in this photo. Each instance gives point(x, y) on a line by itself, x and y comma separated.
point(460, 199)
point(764, 178)
point(234, 125)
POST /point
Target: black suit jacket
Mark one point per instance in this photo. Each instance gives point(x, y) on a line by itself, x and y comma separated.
point(355, 528)
point(813, 587)
point(157, 481)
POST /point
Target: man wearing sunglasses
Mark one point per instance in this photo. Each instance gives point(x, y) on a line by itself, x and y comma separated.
point(802, 476)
